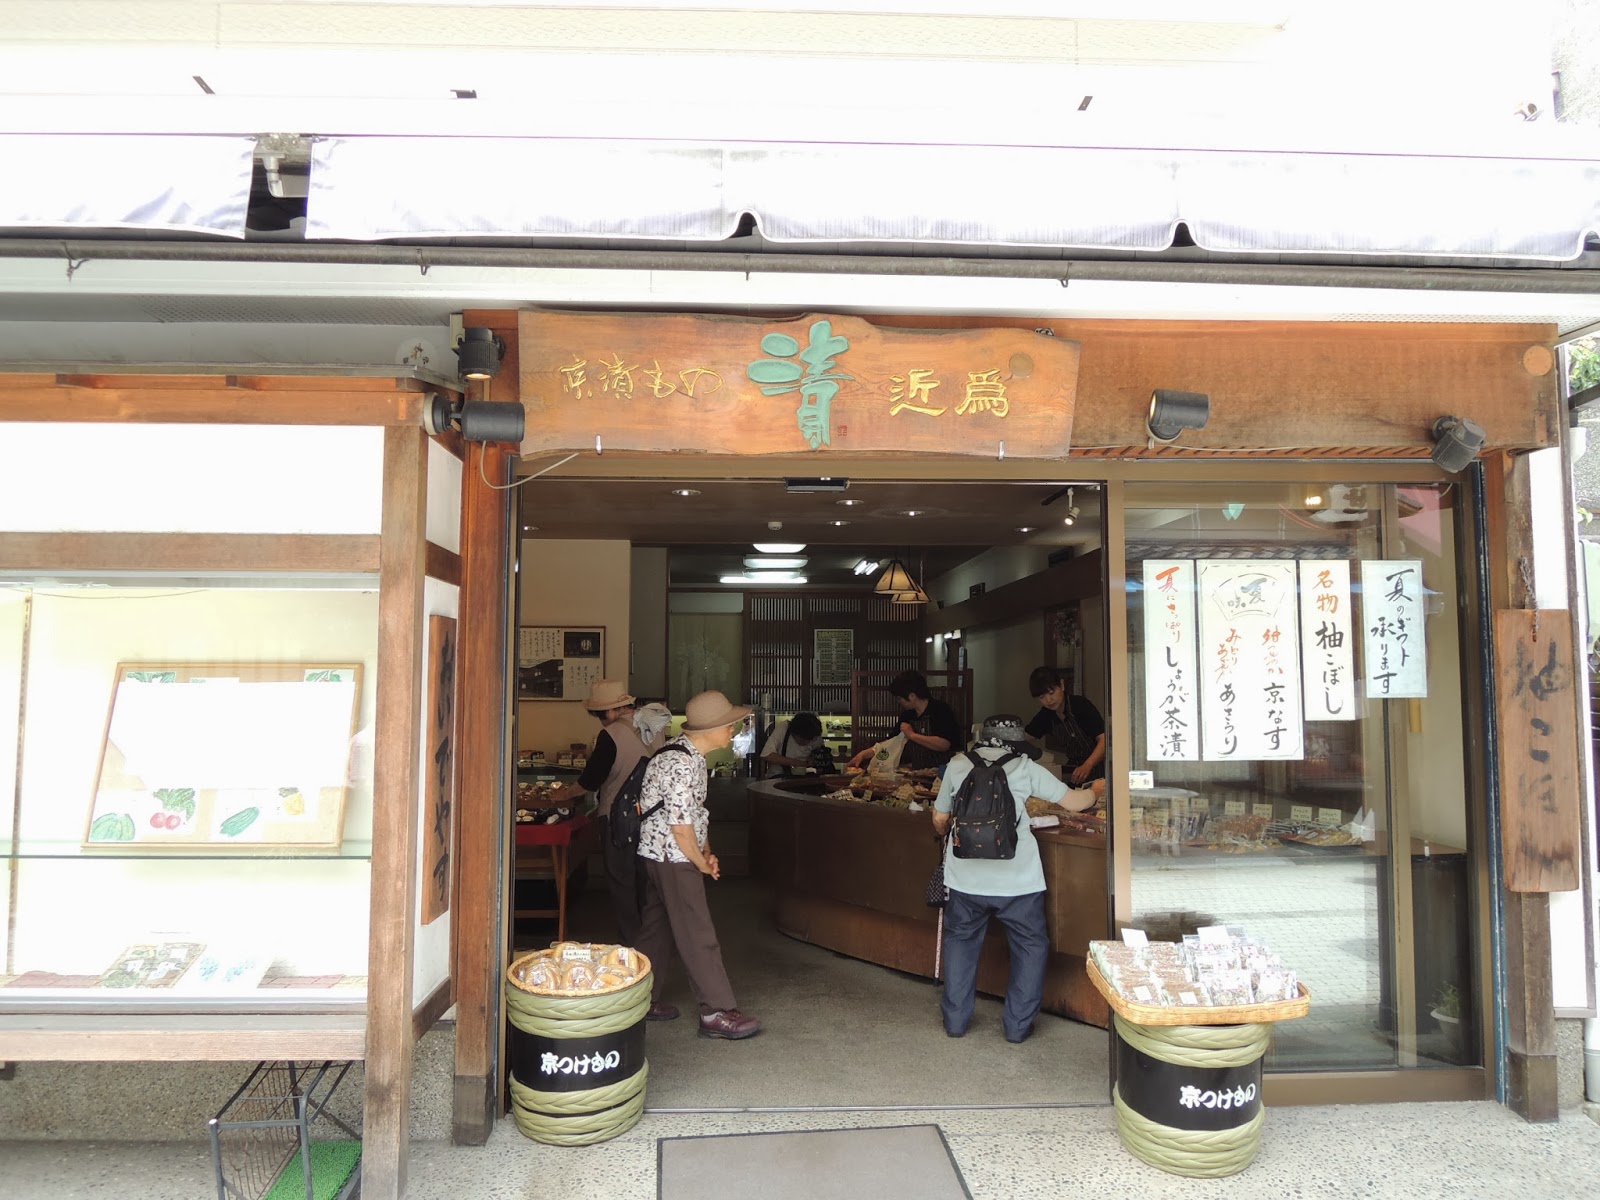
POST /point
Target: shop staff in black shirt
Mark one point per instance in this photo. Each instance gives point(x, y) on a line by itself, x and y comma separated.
point(930, 726)
point(1069, 725)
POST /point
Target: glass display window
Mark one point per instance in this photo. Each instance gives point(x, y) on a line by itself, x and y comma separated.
point(1298, 659)
point(191, 821)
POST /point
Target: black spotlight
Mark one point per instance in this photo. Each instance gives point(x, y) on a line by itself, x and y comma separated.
point(479, 353)
point(478, 420)
point(1173, 412)
point(1456, 442)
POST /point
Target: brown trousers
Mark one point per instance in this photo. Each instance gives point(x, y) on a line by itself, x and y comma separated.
point(676, 915)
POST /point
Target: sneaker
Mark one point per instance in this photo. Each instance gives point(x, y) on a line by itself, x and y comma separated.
point(731, 1024)
point(662, 1012)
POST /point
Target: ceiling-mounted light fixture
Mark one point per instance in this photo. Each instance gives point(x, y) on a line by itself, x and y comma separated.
point(1456, 443)
point(685, 491)
point(774, 562)
point(479, 352)
point(1072, 510)
point(780, 547)
point(1173, 412)
point(864, 566)
point(895, 581)
point(765, 577)
point(478, 420)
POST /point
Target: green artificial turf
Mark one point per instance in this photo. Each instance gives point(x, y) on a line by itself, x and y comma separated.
point(331, 1166)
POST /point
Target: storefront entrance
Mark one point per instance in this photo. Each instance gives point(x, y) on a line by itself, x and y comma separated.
point(1294, 841)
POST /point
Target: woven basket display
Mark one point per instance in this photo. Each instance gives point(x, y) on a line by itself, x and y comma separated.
point(577, 1014)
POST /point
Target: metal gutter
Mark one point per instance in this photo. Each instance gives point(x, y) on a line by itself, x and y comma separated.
point(1549, 280)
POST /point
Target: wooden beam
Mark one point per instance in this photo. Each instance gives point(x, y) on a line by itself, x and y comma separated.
point(335, 403)
point(343, 553)
point(443, 565)
point(482, 814)
point(245, 1037)
point(1530, 1007)
point(427, 1014)
point(1076, 579)
point(398, 730)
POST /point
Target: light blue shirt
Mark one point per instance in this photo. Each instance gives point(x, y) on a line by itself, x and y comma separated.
point(1019, 876)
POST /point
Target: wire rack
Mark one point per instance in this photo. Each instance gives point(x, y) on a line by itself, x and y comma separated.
point(255, 1135)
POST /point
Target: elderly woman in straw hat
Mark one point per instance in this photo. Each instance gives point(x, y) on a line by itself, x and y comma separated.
point(617, 749)
point(676, 852)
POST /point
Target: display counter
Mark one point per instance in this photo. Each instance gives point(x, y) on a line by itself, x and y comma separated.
point(853, 877)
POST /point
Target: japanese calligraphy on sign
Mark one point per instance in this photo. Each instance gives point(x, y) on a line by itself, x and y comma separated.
point(1250, 699)
point(1327, 641)
point(814, 384)
point(1536, 690)
point(1171, 697)
point(439, 780)
point(1394, 648)
point(559, 663)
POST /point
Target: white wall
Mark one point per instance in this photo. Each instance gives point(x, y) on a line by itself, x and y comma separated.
point(191, 478)
point(568, 583)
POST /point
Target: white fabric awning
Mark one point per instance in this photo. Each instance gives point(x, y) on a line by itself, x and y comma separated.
point(173, 183)
point(1093, 197)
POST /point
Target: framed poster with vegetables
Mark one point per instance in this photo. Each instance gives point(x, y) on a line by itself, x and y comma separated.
point(245, 758)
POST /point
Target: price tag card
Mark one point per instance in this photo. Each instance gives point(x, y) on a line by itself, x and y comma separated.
point(1210, 934)
point(1178, 804)
point(1143, 994)
point(1141, 781)
point(1262, 809)
point(576, 954)
point(1330, 817)
point(1301, 813)
point(1233, 808)
point(1134, 937)
point(1135, 815)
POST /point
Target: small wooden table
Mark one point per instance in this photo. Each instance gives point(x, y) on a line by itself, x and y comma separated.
point(552, 844)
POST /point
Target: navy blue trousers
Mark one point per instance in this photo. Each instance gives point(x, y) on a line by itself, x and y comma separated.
point(966, 921)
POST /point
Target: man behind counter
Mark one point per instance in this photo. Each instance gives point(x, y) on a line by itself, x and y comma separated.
point(1069, 725)
point(931, 729)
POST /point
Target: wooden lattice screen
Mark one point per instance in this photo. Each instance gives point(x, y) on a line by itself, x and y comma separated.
point(778, 633)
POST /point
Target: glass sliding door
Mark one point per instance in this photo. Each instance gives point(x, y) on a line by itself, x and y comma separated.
point(1297, 673)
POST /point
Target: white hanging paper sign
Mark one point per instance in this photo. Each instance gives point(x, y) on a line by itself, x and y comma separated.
point(1393, 639)
point(1327, 642)
point(1171, 720)
point(1250, 701)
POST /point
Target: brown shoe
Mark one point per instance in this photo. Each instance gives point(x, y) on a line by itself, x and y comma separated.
point(662, 1012)
point(730, 1024)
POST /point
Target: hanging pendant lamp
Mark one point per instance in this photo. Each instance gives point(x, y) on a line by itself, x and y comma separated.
point(895, 581)
point(916, 596)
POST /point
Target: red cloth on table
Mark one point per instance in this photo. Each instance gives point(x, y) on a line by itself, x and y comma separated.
point(559, 834)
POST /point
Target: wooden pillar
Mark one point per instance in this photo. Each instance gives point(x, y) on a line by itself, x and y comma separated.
point(397, 737)
point(480, 810)
point(1530, 1007)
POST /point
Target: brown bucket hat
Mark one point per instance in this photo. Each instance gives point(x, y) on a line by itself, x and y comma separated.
point(607, 694)
point(711, 710)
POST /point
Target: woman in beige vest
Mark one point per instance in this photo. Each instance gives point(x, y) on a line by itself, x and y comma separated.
point(617, 748)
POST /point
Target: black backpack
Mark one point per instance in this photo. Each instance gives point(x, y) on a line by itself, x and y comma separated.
point(626, 817)
point(984, 811)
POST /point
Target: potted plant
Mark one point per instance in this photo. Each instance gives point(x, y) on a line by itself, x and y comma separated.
point(1447, 1012)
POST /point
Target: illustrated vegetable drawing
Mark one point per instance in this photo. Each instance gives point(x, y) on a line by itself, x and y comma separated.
point(177, 800)
point(240, 821)
point(112, 827)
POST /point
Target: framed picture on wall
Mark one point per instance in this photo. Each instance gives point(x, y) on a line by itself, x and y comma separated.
point(558, 662)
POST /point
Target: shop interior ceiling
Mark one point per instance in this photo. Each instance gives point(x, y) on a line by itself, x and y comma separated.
point(711, 532)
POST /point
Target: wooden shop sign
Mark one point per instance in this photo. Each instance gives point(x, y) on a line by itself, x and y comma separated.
point(817, 383)
point(1536, 678)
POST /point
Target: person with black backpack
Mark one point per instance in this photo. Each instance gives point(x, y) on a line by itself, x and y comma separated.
point(992, 869)
point(675, 847)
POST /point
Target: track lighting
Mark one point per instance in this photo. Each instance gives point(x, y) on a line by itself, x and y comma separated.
point(479, 352)
point(1456, 442)
point(478, 420)
point(1173, 412)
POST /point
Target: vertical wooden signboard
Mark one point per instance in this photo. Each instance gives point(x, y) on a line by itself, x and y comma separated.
point(439, 779)
point(1539, 792)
